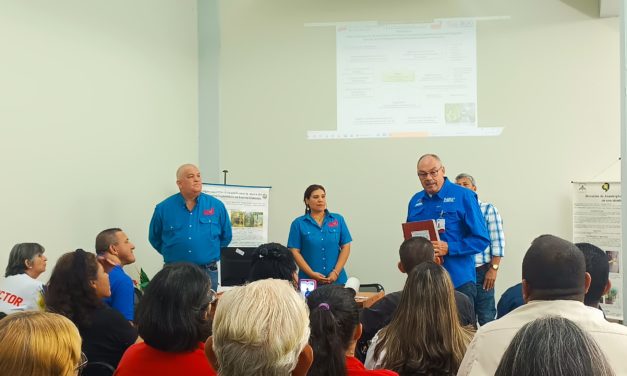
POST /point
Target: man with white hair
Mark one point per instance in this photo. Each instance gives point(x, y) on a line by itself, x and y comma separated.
point(261, 329)
point(190, 225)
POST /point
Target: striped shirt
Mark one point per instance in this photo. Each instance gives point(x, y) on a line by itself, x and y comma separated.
point(494, 223)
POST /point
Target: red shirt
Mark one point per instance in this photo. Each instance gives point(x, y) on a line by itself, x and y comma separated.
point(141, 359)
point(355, 368)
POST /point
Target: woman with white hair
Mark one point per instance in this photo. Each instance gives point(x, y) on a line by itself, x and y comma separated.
point(261, 329)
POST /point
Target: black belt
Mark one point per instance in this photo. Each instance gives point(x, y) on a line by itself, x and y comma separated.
point(211, 265)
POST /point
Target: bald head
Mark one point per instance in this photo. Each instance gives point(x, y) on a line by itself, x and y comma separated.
point(181, 171)
point(554, 269)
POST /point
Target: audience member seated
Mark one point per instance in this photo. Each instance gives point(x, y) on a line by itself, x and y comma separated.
point(553, 346)
point(115, 250)
point(273, 260)
point(76, 288)
point(20, 290)
point(261, 329)
point(173, 320)
point(335, 329)
point(425, 336)
point(412, 252)
point(554, 283)
point(510, 300)
point(39, 343)
point(598, 266)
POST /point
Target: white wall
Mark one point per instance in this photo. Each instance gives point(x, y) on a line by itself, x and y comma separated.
point(549, 75)
point(98, 107)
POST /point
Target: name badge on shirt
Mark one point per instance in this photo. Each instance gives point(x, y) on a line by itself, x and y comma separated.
point(440, 224)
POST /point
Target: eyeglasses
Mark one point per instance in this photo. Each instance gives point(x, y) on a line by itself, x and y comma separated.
point(432, 173)
point(82, 363)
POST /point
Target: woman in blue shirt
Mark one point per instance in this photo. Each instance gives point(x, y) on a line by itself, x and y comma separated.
point(320, 240)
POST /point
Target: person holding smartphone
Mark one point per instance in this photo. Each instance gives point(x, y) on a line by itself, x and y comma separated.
point(320, 240)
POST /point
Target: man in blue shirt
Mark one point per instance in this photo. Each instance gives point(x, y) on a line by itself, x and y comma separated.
point(191, 226)
point(115, 250)
point(459, 222)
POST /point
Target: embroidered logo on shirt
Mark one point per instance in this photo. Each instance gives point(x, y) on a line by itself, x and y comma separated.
point(208, 211)
point(418, 203)
point(334, 223)
point(449, 199)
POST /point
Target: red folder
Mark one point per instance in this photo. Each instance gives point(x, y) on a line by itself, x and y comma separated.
point(425, 229)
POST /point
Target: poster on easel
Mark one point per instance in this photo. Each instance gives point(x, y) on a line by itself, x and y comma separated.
point(248, 209)
point(597, 220)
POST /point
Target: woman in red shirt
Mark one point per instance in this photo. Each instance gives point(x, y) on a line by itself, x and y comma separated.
point(335, 329)
point(173, 319)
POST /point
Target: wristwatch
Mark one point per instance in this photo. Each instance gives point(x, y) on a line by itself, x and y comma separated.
point(494, 266)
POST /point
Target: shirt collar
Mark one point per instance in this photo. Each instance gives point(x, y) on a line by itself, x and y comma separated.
point(327, 216)
point(182, 199)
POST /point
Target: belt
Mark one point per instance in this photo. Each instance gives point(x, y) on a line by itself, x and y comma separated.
point(211, 264)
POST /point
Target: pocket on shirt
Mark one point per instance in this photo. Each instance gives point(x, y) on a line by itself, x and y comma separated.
point(452, 219)
point(334, 234)
point(210, 227)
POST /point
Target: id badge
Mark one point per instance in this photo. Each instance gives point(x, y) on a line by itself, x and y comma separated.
point(440, 224)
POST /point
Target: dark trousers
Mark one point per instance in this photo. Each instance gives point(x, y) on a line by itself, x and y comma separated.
point(485, 307)
point(469, 289)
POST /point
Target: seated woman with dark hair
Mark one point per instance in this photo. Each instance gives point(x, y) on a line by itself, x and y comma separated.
point(553, 346)
point(21, 289)
point(76, 288)
point(275, 261)
point(173, 320)
point(335, 330)
point(424, 336)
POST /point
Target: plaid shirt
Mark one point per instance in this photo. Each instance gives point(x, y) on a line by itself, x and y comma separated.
point(494, 223)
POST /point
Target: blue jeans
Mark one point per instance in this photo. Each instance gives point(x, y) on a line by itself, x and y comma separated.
point(469, 289)
point(485, 307)
point(212, 271)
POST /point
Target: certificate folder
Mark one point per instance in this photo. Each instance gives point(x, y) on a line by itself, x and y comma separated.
point(423, 229)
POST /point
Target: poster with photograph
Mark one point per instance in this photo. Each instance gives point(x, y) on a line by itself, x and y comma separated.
point(248, 209)
point(597, 220)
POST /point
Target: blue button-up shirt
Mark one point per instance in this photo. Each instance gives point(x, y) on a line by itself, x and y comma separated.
point(194, 236)
point(464, 226)
point(320, 245)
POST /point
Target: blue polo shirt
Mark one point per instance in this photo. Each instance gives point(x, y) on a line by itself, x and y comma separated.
point(465, 230)
point(320, 245)
point(194, 236)
point(122, 296)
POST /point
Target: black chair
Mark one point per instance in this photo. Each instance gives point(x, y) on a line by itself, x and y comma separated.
point(371, 287)
point(98, 369)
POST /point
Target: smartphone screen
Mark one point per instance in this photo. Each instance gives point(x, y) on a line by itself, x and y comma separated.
point(306, 286)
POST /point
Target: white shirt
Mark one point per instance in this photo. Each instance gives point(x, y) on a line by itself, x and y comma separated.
point(486, 349)
point(370, 362)
point(18, 293)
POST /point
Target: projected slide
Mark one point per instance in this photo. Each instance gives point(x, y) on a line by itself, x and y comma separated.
point(406, 80)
